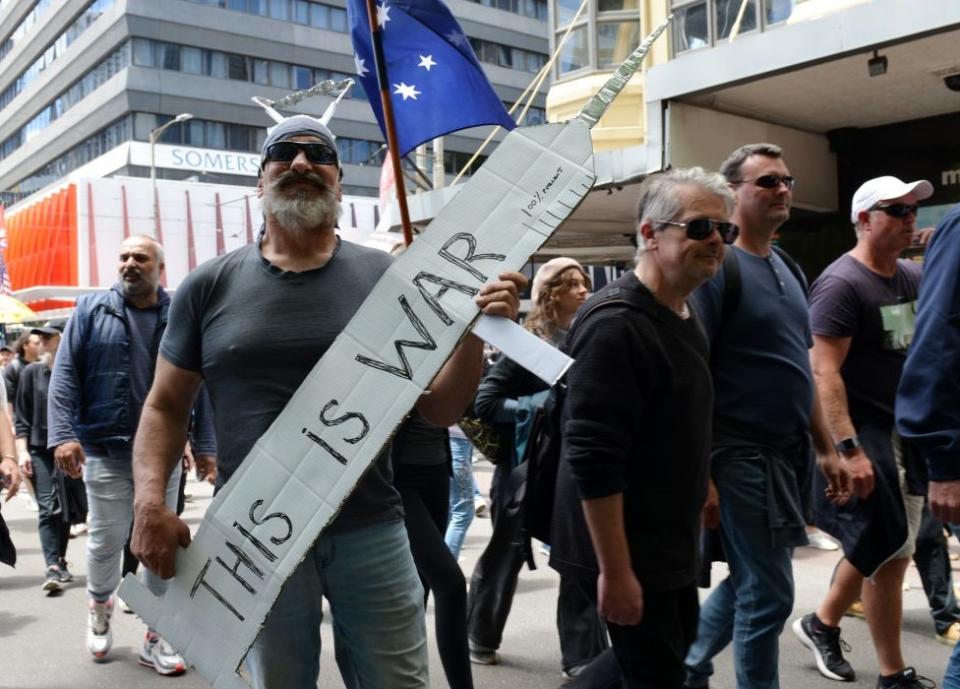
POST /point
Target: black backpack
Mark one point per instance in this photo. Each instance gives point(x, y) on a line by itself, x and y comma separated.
point(536, 476)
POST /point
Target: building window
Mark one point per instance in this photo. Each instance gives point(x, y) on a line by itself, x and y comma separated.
point(726, 13)
point(23, 27)
point(566, 10)
point(575, 54)
point(617, 5)
point(603, 35)
point(305, 12)
point(615, 42)
point(691, 27)
point(537, 9)
point(119, 59)
point(81, 154)
point(507, 56)
point(703, 23)
point(237, 68)
point(54, 50)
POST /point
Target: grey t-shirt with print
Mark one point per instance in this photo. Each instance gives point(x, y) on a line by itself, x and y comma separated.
point(255, 332)
point(850, 300)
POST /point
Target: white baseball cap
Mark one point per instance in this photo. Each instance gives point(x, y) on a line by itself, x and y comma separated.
point(886, 188)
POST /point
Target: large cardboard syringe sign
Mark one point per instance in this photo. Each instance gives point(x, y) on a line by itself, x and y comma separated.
point(300, 472)
point(293, 482)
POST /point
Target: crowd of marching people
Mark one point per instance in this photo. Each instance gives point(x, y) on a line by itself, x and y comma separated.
point(719, 405)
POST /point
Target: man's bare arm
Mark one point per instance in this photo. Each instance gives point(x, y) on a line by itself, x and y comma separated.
point(157, 449)
point(827, 357)
point(619, 594)
point(828, 459)
point(456, 383)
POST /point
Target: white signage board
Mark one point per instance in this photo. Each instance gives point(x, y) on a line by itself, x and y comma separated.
point(300, 472)
point(196, 159)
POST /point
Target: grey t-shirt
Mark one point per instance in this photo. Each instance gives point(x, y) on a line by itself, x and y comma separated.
point(760, 361)
point(850, 300)
point(255, 332)
point(143, 328)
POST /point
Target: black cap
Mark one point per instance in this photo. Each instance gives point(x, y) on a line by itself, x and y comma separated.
point(6, 348)
point(48, 330)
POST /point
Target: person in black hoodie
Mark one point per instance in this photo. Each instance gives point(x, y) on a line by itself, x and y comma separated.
point(508, 396)
point(636, 434)
point(30, 406)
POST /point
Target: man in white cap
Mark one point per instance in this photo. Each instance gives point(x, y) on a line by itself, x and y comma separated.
point(302, 284)
point(862, 316)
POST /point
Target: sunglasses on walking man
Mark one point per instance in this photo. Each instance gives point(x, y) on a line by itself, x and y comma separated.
point(701, 228)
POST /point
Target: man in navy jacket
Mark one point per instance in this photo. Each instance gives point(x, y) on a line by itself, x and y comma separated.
point(928, 399)
point(103, 372)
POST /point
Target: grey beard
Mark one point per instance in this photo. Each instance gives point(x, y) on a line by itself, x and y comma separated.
point(140, 289)
point(302, 213)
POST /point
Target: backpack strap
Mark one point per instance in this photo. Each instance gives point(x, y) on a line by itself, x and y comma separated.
point(793, 266)
point(732, 290)
point(733, 284)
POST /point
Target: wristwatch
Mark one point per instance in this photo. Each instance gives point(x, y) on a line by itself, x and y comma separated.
point(847, 445)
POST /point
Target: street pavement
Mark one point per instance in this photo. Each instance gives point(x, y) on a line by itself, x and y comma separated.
point(42, 638)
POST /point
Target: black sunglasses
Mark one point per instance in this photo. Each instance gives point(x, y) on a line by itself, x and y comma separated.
point(286, 151)
point(701, 228)
point(770, 181)
point(897, 210)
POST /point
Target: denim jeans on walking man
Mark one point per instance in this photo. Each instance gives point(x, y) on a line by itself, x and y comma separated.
point(462, 491)
point(108, 475)
point(752, 604)
point(54, 529)
point(376, 599)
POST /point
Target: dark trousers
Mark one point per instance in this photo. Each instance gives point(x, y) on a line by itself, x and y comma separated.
point(494, 583)
point(52, 523)
point(933, 565)
point(425, 491)
point(651, 654)
point(583, 633)
point(494, 579)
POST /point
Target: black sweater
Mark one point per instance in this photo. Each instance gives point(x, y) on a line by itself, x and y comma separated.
point(637, 421)
point(30, 405)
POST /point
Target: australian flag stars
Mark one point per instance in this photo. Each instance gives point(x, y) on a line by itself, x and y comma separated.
point(435, 80)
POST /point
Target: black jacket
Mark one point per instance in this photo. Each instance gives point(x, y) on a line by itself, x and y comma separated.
point(636, 421)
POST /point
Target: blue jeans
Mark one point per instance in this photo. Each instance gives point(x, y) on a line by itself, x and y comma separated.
point(54, 529)
point(368, 576)
point(108, 475)
point(751, 605)
point(462, 491)
point(951, 679)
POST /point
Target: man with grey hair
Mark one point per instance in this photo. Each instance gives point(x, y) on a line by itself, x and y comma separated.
point(301, 283)
point(103, 370)
point(862, 314)
point(755, 314)
point(636, 435)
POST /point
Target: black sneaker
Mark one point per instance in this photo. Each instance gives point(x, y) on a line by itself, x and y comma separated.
point(51, 581)
point(906, 679)
point(827, 647)
point(65, 575)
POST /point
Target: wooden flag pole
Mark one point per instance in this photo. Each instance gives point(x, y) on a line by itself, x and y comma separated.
point(387, 105)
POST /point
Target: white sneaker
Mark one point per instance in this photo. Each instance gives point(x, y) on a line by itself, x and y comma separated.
point(821, 541)
point(159, 655)
point(480, 506)
point(99, 636)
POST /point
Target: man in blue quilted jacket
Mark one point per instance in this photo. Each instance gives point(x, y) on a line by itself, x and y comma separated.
point(103, 372)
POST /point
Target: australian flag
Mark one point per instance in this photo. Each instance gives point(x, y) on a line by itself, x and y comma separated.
point(435, 80)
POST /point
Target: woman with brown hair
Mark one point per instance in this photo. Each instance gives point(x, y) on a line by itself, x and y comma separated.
point(559, 288)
